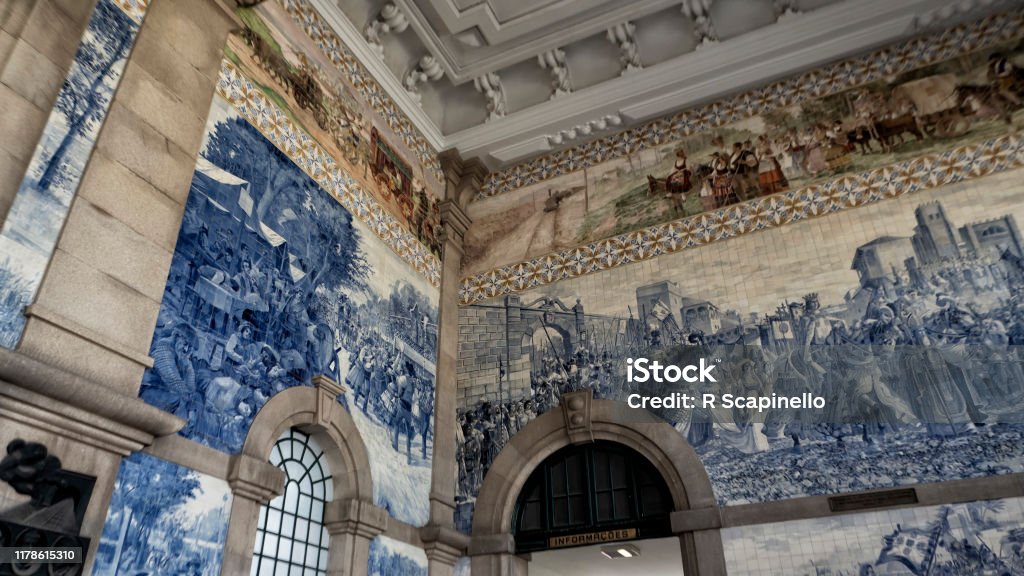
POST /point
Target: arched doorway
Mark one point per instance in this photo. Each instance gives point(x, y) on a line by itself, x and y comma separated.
point(694, 520)
point(591, 493)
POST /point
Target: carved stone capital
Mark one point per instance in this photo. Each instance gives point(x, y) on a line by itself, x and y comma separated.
point(355, 517)
point(444, 544)
point(451, 165)
point(454, 221)
point(254, 479)
point(492, 544)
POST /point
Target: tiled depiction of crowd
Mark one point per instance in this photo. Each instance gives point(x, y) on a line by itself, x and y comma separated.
point(273, 283)
point(982, 537)
point(921, 364)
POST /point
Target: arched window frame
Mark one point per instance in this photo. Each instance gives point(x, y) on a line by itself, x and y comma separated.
point(297, 515)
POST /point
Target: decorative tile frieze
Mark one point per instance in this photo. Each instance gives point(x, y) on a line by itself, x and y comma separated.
point(308, 154)
point(878, 65)
point(309, 20)
point(849, 191)
point(135, 9)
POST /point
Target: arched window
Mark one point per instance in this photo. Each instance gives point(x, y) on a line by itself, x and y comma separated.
point(596, 487)
point(290, 537)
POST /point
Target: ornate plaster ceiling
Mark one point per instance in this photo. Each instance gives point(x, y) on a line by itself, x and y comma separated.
point(507, 80)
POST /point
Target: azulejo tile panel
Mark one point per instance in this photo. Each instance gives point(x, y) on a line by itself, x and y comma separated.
point(962, 163)
point(306, 16)
point(979, 537)
point(163, 519)
point(815, 84)
point(271, 121)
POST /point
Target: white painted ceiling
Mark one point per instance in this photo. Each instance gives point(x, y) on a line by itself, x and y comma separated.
point(469, 73)
point(658, 557)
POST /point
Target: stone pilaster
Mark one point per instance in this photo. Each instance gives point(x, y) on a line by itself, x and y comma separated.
point(97, 306)
point(38, 39)
point(444, 546)
point(495, 555)
point(352, 524)
point(702, 553)
point(253, 483)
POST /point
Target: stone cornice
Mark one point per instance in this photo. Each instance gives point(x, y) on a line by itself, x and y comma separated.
point(254, 479)
point(62, 393)
point(444, 544)
point(454, 219)
point(355, 517)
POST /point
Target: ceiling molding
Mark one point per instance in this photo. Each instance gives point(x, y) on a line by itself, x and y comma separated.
point(539, 43)
point(371, 60)
point(794, 44)
point(524, 148)
point(797, 43)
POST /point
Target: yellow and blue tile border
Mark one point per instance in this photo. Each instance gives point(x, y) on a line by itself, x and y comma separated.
point(849, 191)
point(135, 9)
point(818, 83)
point(309, 20)
point(253, 105)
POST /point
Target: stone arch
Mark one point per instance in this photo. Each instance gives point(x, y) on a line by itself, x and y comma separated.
point(351, 518)
point(493, 546)
point(529, 335)
point(301, 407)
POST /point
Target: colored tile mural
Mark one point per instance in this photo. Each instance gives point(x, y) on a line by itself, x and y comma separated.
point(964, 86)
point(906, 314)
point(983, 537)
point(29, 234)
point(273, 282)
point(275, 124)
point(390, 557)
point(164, 519)
point(329, 98)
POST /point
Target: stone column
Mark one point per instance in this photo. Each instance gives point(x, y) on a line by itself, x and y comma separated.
point(38, 39)
point(253, 483)
point(495, 555)
point(444, 544)
point(352, 524)
point(97, 306)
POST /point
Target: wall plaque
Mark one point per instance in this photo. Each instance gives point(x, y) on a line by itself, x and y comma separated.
point(592, 538)
point(883, 499)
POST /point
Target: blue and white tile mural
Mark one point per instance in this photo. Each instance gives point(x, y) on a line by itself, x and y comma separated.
point(30, 232)
point(463, 567)
point(984, 537)
point(272, 282)
point(164, 519)
point(908, 316)
point(390, 558)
